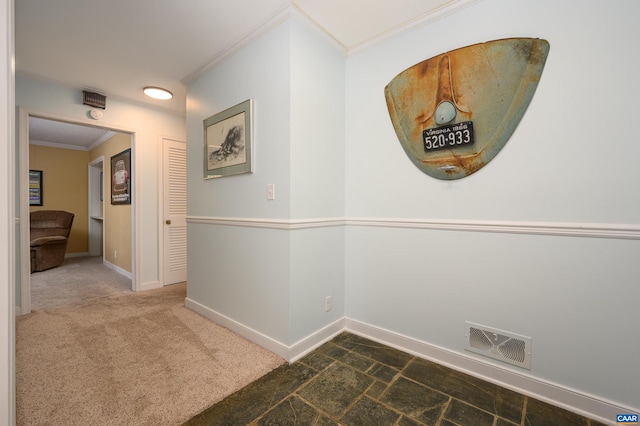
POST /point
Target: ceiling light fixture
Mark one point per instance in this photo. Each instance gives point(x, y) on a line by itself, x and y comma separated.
point(157, 93)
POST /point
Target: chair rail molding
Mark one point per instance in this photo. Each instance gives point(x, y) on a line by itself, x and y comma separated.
point(569, 229)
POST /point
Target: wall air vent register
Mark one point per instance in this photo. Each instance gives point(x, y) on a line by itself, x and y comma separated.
point(94, 99)
point(497, 344)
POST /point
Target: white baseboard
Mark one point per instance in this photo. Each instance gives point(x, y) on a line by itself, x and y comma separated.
point(150, 286)
point(578, 402)
point(233, 325)
point(561, 396)
point(289, 353)
point(311, 342)
point(143, 287)
point(117, 269)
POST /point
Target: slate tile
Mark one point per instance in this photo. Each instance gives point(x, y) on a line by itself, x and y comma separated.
point(331, 349)
point(357, 361)
point(406, 421)
point(415, 400)
point(503, 422)
point(292, 411)
point(381, 353)
point(376, 389)
point(336, 388)
point(487, 396)
point(348, 340)
point(383, 372)
point(325, 421)
point(371, 383)
point(317, 361)
point(256, 398)
point(367, 412)
point(464, 414)
point(374, 350)
point(540, 413)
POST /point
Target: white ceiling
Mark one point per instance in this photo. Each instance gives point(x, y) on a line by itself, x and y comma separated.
point(66, 135)
point(116, 47)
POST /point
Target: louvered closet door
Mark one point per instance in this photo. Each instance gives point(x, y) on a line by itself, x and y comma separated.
point(175, 211)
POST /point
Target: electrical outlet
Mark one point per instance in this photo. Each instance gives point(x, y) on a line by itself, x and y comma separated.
point(328, 303)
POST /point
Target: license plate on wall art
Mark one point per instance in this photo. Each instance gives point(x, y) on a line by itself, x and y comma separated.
point(454, 112)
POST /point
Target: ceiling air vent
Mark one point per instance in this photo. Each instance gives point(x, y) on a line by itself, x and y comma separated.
point(497, 344)
point(94, 99)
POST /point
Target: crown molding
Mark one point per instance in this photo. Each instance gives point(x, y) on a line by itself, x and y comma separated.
point(405, 27)
point(270, 23)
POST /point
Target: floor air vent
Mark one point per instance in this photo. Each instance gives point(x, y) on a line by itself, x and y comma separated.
point(497, 344)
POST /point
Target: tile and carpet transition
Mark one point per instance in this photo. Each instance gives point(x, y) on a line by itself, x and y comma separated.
point(347, 381)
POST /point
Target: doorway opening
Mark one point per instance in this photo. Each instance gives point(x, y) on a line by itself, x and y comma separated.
point(91, 193)
point(96, 207)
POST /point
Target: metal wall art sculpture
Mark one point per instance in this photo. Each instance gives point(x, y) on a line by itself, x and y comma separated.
point(454, 112)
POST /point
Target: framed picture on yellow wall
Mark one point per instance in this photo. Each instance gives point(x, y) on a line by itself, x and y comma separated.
point(35, 187)
point(121, 178)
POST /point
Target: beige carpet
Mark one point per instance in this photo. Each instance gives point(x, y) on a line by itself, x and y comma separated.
point(77, 280)
point(128, 359)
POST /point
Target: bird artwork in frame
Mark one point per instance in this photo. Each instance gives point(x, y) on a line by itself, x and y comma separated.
point(228, 142)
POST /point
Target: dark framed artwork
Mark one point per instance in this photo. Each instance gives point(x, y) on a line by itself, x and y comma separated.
point(228, 142)
point(121, 177)
point(35, 187)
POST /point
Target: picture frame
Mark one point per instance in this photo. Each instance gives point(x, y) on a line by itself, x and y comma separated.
point(121, 177)
point(228, 141)
point(35, 188)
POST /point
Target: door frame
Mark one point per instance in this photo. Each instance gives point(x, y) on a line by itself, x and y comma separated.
point(23, 173)
point(96, 216)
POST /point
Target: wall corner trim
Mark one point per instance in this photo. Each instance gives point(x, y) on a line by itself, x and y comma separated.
point(289, 353)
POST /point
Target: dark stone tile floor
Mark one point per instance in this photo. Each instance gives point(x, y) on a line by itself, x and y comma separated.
point(354, 381)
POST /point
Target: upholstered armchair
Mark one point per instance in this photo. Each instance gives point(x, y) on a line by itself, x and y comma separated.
point(49, 235)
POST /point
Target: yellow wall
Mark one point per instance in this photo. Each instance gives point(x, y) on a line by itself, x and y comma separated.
point(64, 187)
point(117, 218)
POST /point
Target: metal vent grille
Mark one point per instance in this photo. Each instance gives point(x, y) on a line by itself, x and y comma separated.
point(497, 344)
point(94, 99)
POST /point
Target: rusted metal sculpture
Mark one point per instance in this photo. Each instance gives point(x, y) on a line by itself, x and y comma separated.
point(454, 112)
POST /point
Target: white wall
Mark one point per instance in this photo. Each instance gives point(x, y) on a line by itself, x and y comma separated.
point(269, 271)
point(317, 124)
point(238, 272)
point(7, 215)
point(148, 125)
point(572, 161)
point(317, 178)
point(512, 247)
